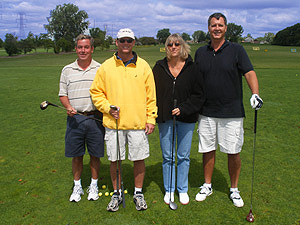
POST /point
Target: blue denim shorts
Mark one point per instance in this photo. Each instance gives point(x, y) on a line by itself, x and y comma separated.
point(84, 132)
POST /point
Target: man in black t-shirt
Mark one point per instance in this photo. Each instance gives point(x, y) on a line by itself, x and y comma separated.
point(221, 120)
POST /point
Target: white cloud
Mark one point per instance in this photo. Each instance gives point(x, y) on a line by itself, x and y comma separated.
point(147, 17)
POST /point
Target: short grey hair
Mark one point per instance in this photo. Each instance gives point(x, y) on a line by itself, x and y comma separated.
point(184, 47)
point(84, 36)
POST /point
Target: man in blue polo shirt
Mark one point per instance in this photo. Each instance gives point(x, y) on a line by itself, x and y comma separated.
point(221, 120)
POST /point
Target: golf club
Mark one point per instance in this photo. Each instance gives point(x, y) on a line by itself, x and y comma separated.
point(250, 217)
point(172, 205)
point(45, 104)
point(119, 162)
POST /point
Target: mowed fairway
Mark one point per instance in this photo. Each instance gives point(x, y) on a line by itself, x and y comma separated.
point(36, 178)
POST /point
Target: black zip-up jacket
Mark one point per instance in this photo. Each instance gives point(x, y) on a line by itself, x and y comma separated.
point(186, 88)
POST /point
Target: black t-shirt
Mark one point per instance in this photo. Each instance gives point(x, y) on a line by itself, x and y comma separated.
point(223, 71)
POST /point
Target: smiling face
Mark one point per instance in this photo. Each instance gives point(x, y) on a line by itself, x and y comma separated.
point(84, 50)
point(174, 48)
point(217, 29)
point(125, 45)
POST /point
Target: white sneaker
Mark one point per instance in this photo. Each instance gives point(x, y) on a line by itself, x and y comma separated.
point(93, 192)
point(167, 197)
point(236, 199)
point(203, 193)
point(184, 198)
point(76, 195)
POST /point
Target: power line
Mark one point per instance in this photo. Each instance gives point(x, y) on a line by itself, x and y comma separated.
point(21, 25)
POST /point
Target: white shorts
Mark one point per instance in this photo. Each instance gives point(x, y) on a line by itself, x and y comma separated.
point(228, 133)
point(137, 140)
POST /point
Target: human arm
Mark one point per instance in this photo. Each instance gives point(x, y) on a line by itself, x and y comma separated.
point(251, 78)
point(151, 108)
point(196, 99)
point(98, 93)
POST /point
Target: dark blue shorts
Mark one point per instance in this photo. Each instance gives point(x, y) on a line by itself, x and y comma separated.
point(84, 132)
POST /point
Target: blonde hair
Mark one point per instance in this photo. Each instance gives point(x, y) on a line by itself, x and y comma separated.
point(184, 47)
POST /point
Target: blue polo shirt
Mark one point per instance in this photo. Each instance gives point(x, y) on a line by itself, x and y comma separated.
point(223, 71)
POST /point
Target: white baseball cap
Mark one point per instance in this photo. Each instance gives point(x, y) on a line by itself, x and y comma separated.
point(126, 32)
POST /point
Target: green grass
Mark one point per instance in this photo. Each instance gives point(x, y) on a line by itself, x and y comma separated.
point(36, 178)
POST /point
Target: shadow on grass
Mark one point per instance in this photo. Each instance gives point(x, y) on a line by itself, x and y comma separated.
point(196, 177)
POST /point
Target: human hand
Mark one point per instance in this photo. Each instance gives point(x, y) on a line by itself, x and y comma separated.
point(114, 111)
point(176, 112)
point(149, 128)
point(71, 111)
point(256, 102)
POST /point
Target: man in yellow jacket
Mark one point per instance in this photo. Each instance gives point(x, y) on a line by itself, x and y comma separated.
point(126, 81)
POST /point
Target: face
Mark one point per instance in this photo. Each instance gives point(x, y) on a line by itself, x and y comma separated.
point(125, 45)
point(217, 28)
point(174, 48)
point(84, 50)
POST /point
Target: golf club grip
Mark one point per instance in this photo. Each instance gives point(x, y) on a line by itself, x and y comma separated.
point(175, 103)
point(113, 107)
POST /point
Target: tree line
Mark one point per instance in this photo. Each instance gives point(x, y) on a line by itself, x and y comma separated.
point(66, 22)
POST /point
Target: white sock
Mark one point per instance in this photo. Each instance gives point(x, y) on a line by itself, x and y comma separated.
point(137, 190)
point(234, 189)
point(77, 182)
point(207, 185)
point(94, 182)
point(120, 190)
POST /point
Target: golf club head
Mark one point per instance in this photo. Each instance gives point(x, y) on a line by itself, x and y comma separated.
point(250, 217)
point(172, 205)
point(44, 105)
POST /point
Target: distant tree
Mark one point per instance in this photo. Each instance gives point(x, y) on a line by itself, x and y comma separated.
point(199, 36)
point(109, 40)
point(45, 41)
point(289, 36)
point(1, 43)
point(28, 44)
point(234, 32)
point(64, 45)
point(11, 45)
point(269, 37)
point(186, 36)
point(66, 21)
point(147, 41)
point(162, 35)
point(99, 37)
point(207, 37)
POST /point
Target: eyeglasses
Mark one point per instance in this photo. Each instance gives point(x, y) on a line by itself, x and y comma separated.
point(171, 44)
point(127, 40)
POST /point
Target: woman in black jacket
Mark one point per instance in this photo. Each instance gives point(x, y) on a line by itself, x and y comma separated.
point(179, 94)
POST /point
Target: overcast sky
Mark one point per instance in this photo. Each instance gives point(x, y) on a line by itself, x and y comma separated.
point(146, 17)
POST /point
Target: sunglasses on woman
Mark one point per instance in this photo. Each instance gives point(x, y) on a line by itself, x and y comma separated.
point(171, 44)
point(127, 40)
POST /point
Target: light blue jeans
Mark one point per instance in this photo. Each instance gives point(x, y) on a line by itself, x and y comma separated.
point(184, 135)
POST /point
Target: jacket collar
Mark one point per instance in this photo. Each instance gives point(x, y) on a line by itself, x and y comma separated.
point(132, 60)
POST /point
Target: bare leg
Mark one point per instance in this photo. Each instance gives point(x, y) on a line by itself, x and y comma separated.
point(209, 159)
point(139, 170)
point(234, 168)
point(113, 175)
point(77, 167)
point(94, 165)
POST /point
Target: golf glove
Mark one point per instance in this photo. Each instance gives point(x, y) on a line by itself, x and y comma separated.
point(256, 102)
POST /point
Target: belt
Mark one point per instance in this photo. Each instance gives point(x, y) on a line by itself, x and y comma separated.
point(88, 113)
